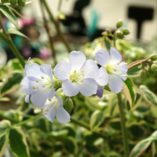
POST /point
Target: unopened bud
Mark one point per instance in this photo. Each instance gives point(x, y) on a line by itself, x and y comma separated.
point(119, 24)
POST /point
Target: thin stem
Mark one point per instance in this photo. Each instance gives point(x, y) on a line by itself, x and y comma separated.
point(11, 44)
point(59, 5)
point(56, 24)
point(123, 127)
point(75, 121)
point(28, 120)
point(48, 33)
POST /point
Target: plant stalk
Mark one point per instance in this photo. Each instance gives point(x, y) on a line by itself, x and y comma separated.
point(56, 24)
point(32, 118)
point(11, 44)
point(75, 121)
point(123, 126)
point(48, 33)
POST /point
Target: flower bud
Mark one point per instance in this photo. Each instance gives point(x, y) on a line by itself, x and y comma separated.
point(119, 24)
point(119, 34)
point(68, 104)
point(154, 67)
point(125, 31)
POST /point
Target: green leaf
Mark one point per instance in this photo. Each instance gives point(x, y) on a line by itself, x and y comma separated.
point(18, 143)
point(13, 115)
point(14, 2)
point(5, 1)
point(15, 79)
point(2, 36)
point(148, 95)
point(3, 141)
point(107, 43)
point(90, 140)
point(4, 125)
point(68, 104)
point(7, 12)
point(21, 3)
point(129, 92)
point(97, 119)
point(139, 149)
point(16, 32)
point(134, 70)
point(15, 65)
point(70, 145)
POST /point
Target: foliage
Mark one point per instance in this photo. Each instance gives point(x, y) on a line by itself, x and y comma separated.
point(95, 126)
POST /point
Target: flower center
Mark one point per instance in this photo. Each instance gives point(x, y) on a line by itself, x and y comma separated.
point(76, 76)
point(110, 68)
point(53, 102)
point(43, 82)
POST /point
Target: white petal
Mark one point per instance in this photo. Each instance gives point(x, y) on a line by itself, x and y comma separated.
point(69, 89)
point(27, 84)
point(115, 83)
point(90, 69)
point(50, 115)
point(46, 69)
point(60, 101)
point(102, 57)
point(50, 107)
point(39, 98)
point(123, 67)
point(62, 70)
point(123, 70)
point(89, 87)
point(115, 55)
point(27, 98)
point(62, 115)
point(102, 77)
point(77, 59)
point(33, 69)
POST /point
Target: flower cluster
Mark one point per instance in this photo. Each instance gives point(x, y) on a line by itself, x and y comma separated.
point(77, 75)
point(38, 84)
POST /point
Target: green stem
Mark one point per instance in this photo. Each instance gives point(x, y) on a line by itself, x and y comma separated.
point(75, 121)
point(56, 24)
point(48, 33)
point(123, 127)
point(59, 5)
point(32, 118)
point(11, 44)
point(16, 52)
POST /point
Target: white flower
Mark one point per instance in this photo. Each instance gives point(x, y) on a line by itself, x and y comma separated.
point(113, 70)
point(77, 75)
point(54, 108)
point(38, 83)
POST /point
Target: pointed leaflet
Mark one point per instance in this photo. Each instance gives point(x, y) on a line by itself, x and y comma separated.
point(18, 143)
point(129, 92)
point(141, 147)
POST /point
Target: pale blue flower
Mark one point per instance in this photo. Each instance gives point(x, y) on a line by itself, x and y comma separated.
point(54, 108)
point(113, 70)
point(77, 75)
point(38, 83)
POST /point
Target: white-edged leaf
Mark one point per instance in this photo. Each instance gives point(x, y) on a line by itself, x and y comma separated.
point(18, 143)
point(16, 32)
point(140, 148)
point(129, 92)
point(7, 12)
point(3, 142)
point(148, 95)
